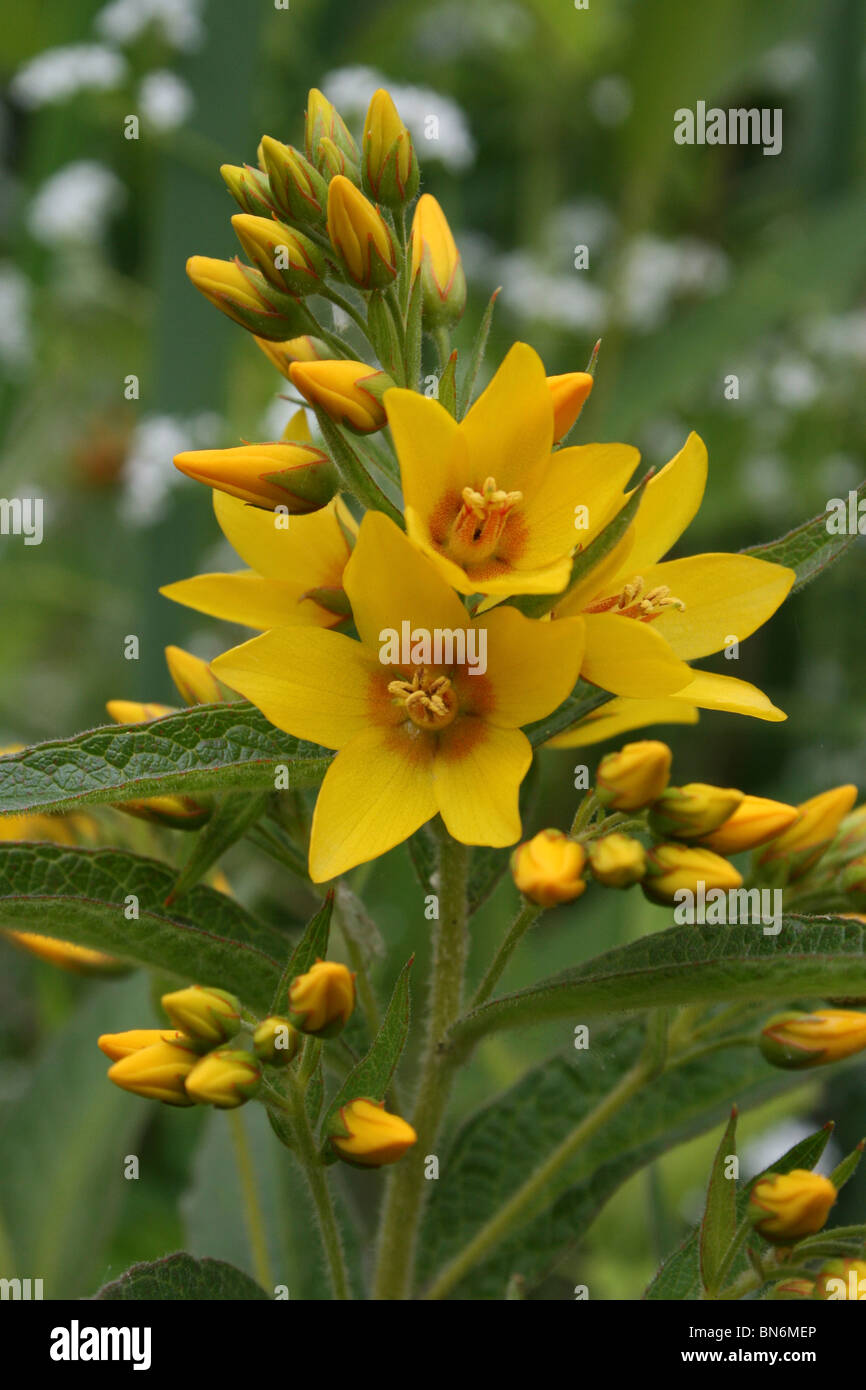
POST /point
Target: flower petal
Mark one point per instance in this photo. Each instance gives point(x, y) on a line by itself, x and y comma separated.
point(591, 477)
point(628, 657)
point(431, 451)
point(710, 691)
point(725, 597)
point(376, 793)
point(531, 667)
point(389, 582)
point(249, 599)
point(310, 551)
point(509, 430)
point(621, 716)
point(476, 776)
point(669, 503)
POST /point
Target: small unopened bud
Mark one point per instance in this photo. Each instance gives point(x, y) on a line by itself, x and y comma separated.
point(157, 1072)
point(286, 258)
point(569, 393)
point(436, 259)
point(275, 1040)
point(208, 1016)
point(755, 821)
point(390, 166)
point(250, 189)
point(246, 297)
point(360, 236)
point(193, 677)
point(323, 119)
point(78, 960)
point(118, 1045)
point(298, 189)
point(803, 843)
point(841, 1280)
point(226, 1079)
point(786, 1206)
point(633, 777)
point(299, 477)
point(795, 1040)
point(547, 869)
point(617, 860)
point(321, 1001)
point(672, 868)
point(349, 392)
point(689, 812)
point(303, 349)
point(367, 1136)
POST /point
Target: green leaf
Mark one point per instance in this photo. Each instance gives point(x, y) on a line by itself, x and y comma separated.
point(413, 335)
point(583, 699)
point(808, 549)
point(690, 965)
point(179, 1278)
point(312, 946)
point(372, 1075)
point(231, 820)
point(208, 748)
point(478, 349)
point(720, 1214)
point(842, 1240)
point(355, 474)
point(848, 1167)
point(448, 385)
point(63, 1142)
point(82, 895)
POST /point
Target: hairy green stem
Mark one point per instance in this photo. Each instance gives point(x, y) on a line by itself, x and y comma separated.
point(253, 1216)
point(314, 1171)
point(526, 917)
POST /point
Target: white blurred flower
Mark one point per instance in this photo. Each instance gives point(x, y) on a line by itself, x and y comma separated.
point(180, 21)
point(164, 100)
point(787, 65)
point(656, 272)
point(75, 203)
point(149, 473)
point(839, 336)
point(60, 73)
point(15, 344)
point(765, 482)
point(533, 293)
point(611, 100)
point(350, 89)
point(794, 382)
point(453, 29)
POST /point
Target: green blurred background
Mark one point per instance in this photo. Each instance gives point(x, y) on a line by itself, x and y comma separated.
point(555, 130)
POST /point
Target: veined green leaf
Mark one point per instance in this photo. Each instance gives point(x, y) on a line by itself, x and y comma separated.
point(312, 946)
point(208, 748)
point(180, 1278)
point(720, 1214)
point(809, 548)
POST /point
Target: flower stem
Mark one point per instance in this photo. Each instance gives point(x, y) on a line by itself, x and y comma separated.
point(526, 917)
point(317, 1182)
point(252, 1207)
point(406, 1188)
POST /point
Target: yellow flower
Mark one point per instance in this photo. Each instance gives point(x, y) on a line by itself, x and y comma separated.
point(617, 860)
point(390, 167)
point(275, 1040)
point(156, 1072)
point(303, 349)
point(298, 477)
point(436, 259)
point(755, 821)
point(646, 618)
point(634, 776)
point(803, 843)
point(193, 677)
point(118, 1045)
point(416, 731)
point(350, 392)
point(785, 1206)
point(226, 1079)
point(206, 1015)
point(672, 868)
point(137, 711)
point(371, 1136)
point(322, 1000)
point(797, 1040)
point(80, 960)
point(569, 393)
point(692, 811)
point(487, 500)
point(360, 236)
point(547, 869)
point(839, 1280)
point(295, 577)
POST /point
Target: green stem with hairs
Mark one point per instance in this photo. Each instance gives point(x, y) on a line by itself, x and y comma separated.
point(526, 917)
point(253, 1217)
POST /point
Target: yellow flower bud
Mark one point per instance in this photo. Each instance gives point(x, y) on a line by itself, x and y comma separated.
point(275, 1040)
point(136, 712)
point(208, 1016)
point(617, 860)
point(156, 1072)
point(174, 812)
point(755, 821)
point(330, 160)
point(672, 868)
point(193, 677)
point(634, 776)
point(226, 1079)
point(323, 119)
point(303, 349)
point(80, 960)
point(854, 875)
point(686, 813)
point(321, 1001)
point(797, 1040)
point(297, 187)
point(803, 843)
point(360, 236)
point(547, 869)
point(288, 259)
point(349, 392)
point(250, 189)
point(786, 1206)
point(569, 393)
point(390, 167)
point(789, 1289)
point(245, 297)
point(297, 476)
point(371, 1137)
point(843, 1279)
point(118, 1045)
point(436, 259)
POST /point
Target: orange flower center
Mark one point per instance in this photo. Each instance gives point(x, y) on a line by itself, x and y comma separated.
point(636, 601)
point(480, 522)
point(428, 700)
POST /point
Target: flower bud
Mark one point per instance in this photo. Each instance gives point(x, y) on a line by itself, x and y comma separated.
point(303, 349)
point(80, 960)
point(193, 677)
point(786, 1206)
point(323, 119)
point(854, 875)
point(803, 843)
point(349, 392)
point(390, 166)
point(136, 712)
point(321, 1001)
point(547, 869)
point(298, 189)
point(289, 260)
point(634, 776)
point(157, 1072)
point(226, 1079)
point(685, 813)
point(297, 476)
point(755, 821)
point(436, 259)
point(617, 860)
point(790, 1289)
point(569, 393)
point(367, 1136)
point(208, 1016)
point(250, 189)
point(119, 1045)
point(843, 1279)
point(796, 1040)
point(850, 841)
point(173, 812)
point(331, 161)
point(671, 868)
point(245, 296)
point(359, 236)
point(275, 1040)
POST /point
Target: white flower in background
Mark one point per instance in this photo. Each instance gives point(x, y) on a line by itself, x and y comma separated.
point(164, 100)
point(75, 204)
point(533, 293)
point(787, 65)
point(148, 473)
point(350, 89)
point(656, 272)
point(454, 29)
point(611, 100)
point(278, 415)
point(766, 482)
point(15, 344)
point(794, 382)
point(584, 222)
point(60, 73)
point(840, 336)
point(123, 21)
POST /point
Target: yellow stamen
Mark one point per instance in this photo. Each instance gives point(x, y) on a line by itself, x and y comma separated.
point(428, 700)
point(481, 520)
point(635, 601)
